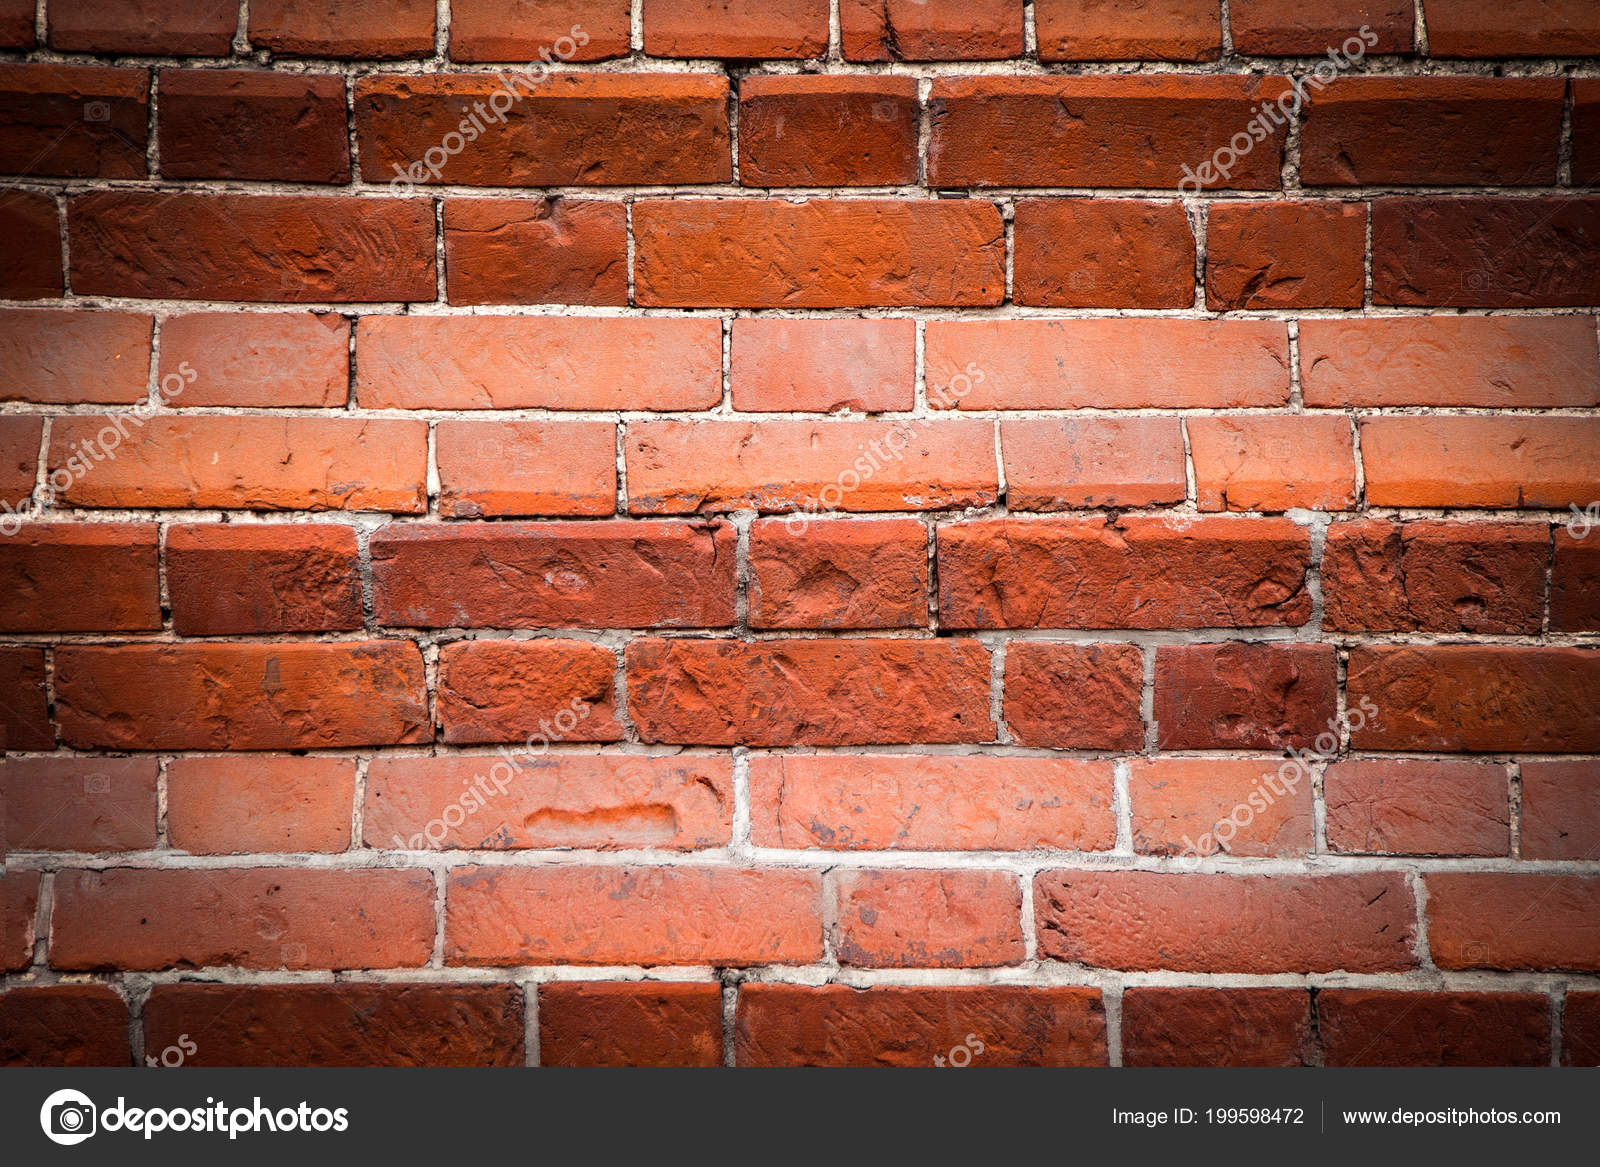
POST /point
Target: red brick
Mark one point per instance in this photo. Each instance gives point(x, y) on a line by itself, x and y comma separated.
point(16, 23)
point(1435, 577)
point(1561, 810)
point(64, 357)
point(268, 359)
point(927, 803)
point(1585, 133)
point(1226, 923)
point(1433, 131)
point(80, 577)
point(1504, 461)
point(233, 805)
point(1244, 696)
point(565, 129)
point(632, 915)
point(63, 1025)
point(337, 1025)
point(251, 124)
point(741, 29)
point(1055, 464)
point(20, 438)
point(1498, 921)
point(1103, 253)
point(546, 30)
point(186, 246)
point(1129, 30)
point(1580, 1031)
point(526, 468)
point(1197, 807)
point(1272, 463)
point(277, 696)
point(353, 28)
point(684, 467)
point(258, 917)
point(600, 802)
point(1575, 579)
point(184, 28)
point(809, 692)
point(245, 578)
point(839, 574)
point(929, 919)
point(1386, 1027)
point(511, 690)
point(79, 804)
point(1486, 251)
point(955, 1025)
point(19, 904)
point(1110, 363)
point(1216, 1027)
point(848, 253)
point(1146, 572)
point(1512, 28)
point(1478, 698)
point(814, 365)
point(24, 716)
point(1140, 132)
point(1309, 28)
point(1074, 696)
point(812, 130)
point(1393, 807)
point(930, 30)
point(553, 575)
point(612, 1023)
point(537, 362)
point(30, 266)
point(536, 251)
point(245, 463)
point(1286, 255)
point(72, 121)
point(1508, 362)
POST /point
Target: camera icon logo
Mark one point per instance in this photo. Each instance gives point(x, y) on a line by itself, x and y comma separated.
point(68, 1117)
point(96, 111)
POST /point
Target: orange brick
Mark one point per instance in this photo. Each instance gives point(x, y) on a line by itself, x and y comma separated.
point(735, 28)
point(839, 574)
point(1561, 810)
point(242, 578)
point(1103, 253)
point(783, 365)
point(1054, 465)
point(1286, 255)
point(517, 690)
point(1198, 807)
point(1115, 30)
point(255, 358)
point(80, 577)
point(73, 358)
point(1272, 463)
point(517, 30)
point(1505, 921)
point(930, 30)
point(368, 28)
point(79, 804)
point(811, 130)
point(929, 919)
point(536, 251)
point(1481, 461)
point(610, 1023)
point(234, 805)
point(1395, 807)
point(526, 468)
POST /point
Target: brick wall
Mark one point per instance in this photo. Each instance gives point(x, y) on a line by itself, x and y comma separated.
point(879, 531)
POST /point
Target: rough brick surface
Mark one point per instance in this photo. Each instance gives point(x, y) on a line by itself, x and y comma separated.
point(1481, 920)
point(1197, 807)
point(246, 124)
point(1097, 30)
point(827, 131)
point(607, 1024)
point(1398, 807)
point(1216, 1027)
point(78, 804)
point(526, 468)
point(64, 1025)
point(1379, 1027)
point(1074, 696)
point(1103, 253)
point(229, 805)
point(1243, 696)
point(45, 127)
point(551, 251)
point(868, 573)
point(72, 358)
point(67, 578)
point(1560, 810)
point(502, 690)
point(255, 359)
point(930, 30)
point(240, 579)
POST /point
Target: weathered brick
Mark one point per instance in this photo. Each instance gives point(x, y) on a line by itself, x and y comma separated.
point(30, 267)
point(1482, 461)
point(1585, 133)
point(611, 1023)
point(812, 365)
point(526, 468)
point(1216, 1027)
point(1197, 807)
point(1501, 921)
point(70, 358)
point(1310, 28)
point(1226, 923)
point(353, 28)
point(537, 362)
point(1095, 30)
point(870, 573)
point(922, 803)
point(251, 124)
point(812, 130)
point(632, 915)
point(19, 905)
point(258, 917)
point(255, 358)
point(1575, 579)
point(681, 467)
point(929, 919)
point(16, 23)
point(73, 121)
point(1286, 255)
point(237, 805)
point(1145, 572)
point(20, 438)
point(551, 575)
point(600, 801)
point(739, 29)
point(1059, 464)
point(80, 577)
point(277, 696)
point(24, 714)
point(546, 30)
point(1272, 462)
point(515, 690)
point(1244, 696)
point(348, 1024)
point(809, 692)
point(63, 1025)
point(892, 1025)
point(1398, 807)
point(1390, 1027)
point(1103, 253)
point(1512, 28)
point(930, 30)
point(184, 28)
point(535, 251)
point(245, 578)
point(1074, 696)
point(856, 253)
point(302, 248)
point(1580, 1030)
point(244, 463)
point(1561, 810)
point(79, 804)
point(1478, 698)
